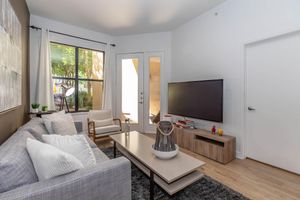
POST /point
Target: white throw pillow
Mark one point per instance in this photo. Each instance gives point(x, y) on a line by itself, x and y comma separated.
point(64, 125)
point(75, 145)
point(49, 161)
point(105, 122)
point(49, 118)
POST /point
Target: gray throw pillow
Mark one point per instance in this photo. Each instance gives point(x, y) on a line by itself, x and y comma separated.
point(16, 168)
point(37, 131)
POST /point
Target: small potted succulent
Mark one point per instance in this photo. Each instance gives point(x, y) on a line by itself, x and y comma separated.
point(35, 107)
point(44, 108)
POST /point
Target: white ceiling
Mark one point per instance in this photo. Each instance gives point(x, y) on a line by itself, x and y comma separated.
point(122, 17)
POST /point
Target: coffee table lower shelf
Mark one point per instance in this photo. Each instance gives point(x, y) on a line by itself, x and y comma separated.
point(170, 188)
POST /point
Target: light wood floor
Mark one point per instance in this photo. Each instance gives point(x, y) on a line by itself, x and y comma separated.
point(252, 179)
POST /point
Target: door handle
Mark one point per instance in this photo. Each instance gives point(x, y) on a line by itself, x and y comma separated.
point(141, 102)
point(251, 109)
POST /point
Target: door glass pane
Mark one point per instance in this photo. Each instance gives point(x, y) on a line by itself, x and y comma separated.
point(154, 92)
point(90, 95)
point(62, 60)
point(130, 89)
point(90, 64)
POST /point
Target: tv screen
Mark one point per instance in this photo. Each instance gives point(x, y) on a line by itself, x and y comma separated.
point(197, 99)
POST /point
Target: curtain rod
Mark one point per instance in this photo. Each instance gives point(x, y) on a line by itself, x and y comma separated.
point(38, 28)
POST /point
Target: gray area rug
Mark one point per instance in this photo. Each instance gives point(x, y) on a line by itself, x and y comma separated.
point(206, 188)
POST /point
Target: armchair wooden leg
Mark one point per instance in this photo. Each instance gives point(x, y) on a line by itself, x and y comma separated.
point(94, 137)
point(91, 130)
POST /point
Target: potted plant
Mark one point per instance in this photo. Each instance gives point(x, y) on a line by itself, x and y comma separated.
point(44, 108)
point(35, 107)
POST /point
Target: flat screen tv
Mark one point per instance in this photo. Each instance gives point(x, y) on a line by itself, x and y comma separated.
point(197, 99)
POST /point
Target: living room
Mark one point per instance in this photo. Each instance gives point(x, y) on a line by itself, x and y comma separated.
point(141, 99)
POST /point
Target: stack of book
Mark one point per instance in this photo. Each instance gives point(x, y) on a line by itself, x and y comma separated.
point(185, 124)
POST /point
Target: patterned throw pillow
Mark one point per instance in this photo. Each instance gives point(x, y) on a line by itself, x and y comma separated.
point(75, 145)
point(49, 161)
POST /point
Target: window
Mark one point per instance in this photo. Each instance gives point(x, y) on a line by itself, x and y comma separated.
point(77, 75)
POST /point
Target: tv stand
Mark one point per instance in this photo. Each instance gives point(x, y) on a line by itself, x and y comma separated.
point(218, 148)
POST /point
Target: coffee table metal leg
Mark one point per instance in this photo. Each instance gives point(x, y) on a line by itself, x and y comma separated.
point(115, 149)
point(151, 185)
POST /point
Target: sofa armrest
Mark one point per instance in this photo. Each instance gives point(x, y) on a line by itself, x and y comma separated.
point(107, 180)
point(78, 126)
point(119, 122)
point(88, 139)
point(91, 129)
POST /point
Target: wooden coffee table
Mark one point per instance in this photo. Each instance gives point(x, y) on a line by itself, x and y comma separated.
point(171, 175)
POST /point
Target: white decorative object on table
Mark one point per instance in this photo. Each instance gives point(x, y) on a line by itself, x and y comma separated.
point(165, 154)
point(35, 110)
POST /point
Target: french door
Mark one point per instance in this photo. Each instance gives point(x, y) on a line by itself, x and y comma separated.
point(139, 86)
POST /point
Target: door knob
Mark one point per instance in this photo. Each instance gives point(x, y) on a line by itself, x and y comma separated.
point(251, 109)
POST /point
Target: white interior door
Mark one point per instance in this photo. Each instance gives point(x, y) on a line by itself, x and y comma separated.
point(130, 84)
point(273, 98)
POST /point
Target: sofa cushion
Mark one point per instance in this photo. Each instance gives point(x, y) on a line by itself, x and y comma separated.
point(16, 168)
point(107, 129)
point(36, 132)
point(75, 145)
point(36, 124)
point(36, 127)
point(50, 161)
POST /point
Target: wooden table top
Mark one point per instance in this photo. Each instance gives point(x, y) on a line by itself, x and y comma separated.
point(140, 146)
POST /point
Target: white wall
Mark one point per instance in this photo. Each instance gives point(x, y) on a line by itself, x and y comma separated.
point(149, 43)
point(212, 46)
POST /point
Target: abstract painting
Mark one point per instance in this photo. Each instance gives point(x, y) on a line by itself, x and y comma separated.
point(10, 58)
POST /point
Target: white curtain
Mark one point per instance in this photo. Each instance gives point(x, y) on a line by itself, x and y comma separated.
point(44, 86)
point(107, 92)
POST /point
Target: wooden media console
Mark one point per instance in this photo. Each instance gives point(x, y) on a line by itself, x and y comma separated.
point(218, 148)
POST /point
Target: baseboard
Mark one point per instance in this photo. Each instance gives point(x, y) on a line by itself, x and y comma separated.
point(239, 155)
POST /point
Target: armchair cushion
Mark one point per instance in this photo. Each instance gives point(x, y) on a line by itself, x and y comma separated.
point(104, 122)
point(107, 129)
point(99, 114)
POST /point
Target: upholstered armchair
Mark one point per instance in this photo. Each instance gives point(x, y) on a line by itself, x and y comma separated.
point(101, 123)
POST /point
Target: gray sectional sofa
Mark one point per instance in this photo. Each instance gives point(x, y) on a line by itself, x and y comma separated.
point(109, 179)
